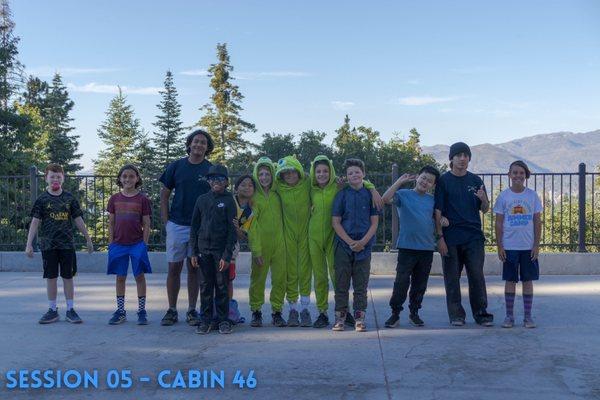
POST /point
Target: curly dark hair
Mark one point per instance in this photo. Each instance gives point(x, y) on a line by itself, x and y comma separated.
point(210, 145)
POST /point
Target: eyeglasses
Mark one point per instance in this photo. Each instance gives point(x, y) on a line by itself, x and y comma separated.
point(217, 179)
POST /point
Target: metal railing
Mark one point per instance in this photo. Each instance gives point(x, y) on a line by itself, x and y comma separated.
point(570, 215)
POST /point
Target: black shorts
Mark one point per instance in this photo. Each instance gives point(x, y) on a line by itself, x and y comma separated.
point(59, 258)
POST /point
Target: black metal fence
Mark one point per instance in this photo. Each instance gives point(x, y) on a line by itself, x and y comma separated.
point(570, 217)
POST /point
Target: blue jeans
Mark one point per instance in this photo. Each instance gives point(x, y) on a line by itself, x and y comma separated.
point(471, 256)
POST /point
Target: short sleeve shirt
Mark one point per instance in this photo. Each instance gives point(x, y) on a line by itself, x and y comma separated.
point(455, 198)
point(129, 213)
point(56, 214)
point(415, 214)
point(355, 207)
point(188, 181)
point(518, 210)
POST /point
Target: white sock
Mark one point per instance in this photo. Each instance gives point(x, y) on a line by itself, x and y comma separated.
point(52, 304)
point(69, 304)
point(305, 301)
point(293, 305)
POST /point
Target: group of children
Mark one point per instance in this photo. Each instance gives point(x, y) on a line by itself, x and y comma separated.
point(305, 230)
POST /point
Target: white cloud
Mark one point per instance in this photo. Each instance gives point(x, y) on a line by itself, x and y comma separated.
point(414, 82)
point(342, 105)
point(424, 100)
point(94, 87)
point(47, 71)
point(195, 72)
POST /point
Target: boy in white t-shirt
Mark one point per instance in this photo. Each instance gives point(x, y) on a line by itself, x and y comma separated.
point(518, 231)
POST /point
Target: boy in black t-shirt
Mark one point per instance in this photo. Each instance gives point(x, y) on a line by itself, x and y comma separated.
point(56, 210)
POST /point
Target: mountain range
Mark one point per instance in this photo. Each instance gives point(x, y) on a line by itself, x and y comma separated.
point(552, 152)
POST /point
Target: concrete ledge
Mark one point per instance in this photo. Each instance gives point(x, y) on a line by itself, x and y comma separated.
point(382, 263)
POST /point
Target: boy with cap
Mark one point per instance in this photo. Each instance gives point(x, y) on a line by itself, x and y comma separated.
point(212, 239)
point(460, 196)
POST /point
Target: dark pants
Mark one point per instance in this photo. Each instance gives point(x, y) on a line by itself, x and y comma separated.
point(214, 288)
point(471, 256)
point(348, 270)
point(412, 270)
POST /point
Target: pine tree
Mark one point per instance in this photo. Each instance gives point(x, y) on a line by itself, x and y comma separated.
point(121, 133)
point(11, 70)
point(222, 115)
point(169, 141)
point(61, 146)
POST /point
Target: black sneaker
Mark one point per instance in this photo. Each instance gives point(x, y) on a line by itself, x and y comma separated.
point(458, 322)
point(117, 318)
point(203, 328)
point(293, 319)
point(142, 317)
point(192, 318)
point(72, 317)
point(277, 320)
point(393, 320)
point(350, 320)
point(225, 327)
point(257, 320)
point(322, 321)
point(485, 319)
point(415, 319)
point(170, 318)
point(50, 317)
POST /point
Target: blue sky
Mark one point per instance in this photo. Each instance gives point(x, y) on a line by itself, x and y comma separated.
point(476, 71)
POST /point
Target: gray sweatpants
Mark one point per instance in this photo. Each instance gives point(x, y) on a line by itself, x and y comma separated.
point(348, 270)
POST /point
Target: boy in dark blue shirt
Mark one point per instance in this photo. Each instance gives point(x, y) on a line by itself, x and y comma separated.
point(355, 223)
point(460, 196)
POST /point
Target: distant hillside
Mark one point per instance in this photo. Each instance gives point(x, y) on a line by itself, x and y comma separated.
point(553, 152)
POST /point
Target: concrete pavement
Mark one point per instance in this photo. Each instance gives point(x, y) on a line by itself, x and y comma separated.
point(557, 360)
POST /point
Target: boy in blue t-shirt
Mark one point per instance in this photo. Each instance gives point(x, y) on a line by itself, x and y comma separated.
point(518, 232)
point(354, 220)
point(416, 241)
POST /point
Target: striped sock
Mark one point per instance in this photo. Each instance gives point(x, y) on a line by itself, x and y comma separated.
point(141, 303)
point(509, 299)
point(121, 303)
point(527, 303)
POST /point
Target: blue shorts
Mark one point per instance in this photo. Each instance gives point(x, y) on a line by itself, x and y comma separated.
point(119, 255)
point(519, 264)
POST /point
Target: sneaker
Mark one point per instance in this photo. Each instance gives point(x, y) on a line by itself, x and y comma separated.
point(50, 317)
point(192, 318)
point(293, 319)
point(528, 322)
point(225, 327)
point(415, 319)
point(458, 322)
point(72, 317)
point(322, 321)
point(305, 320)
point(393, 321)
point(349, 321)
point(340, 321)
point(203, 328)
point(142, 317)
point(257, 320)
point(170, 318)
point(360, 325)
point(117, 318)
point(277, 320)
point(509, 322)
point(484, 319)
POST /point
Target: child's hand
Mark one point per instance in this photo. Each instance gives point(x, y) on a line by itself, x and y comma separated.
point(90, 246)
point(223, 265)
point(444, 222)
point(29, 251)
point(377, 200)
point(502, 253)
point(535, 252)
point(358, 246)
point(194, 260)
point(480, 194)
point(442, 247)
point(259, 261)
point(406, 178)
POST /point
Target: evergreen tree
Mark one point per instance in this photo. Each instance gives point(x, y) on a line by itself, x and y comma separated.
point(222, 115)
point(311, 145)
point(61, 146)
point(121, 133)
point(277, 146)
point(169, 140)
point(16, 139)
